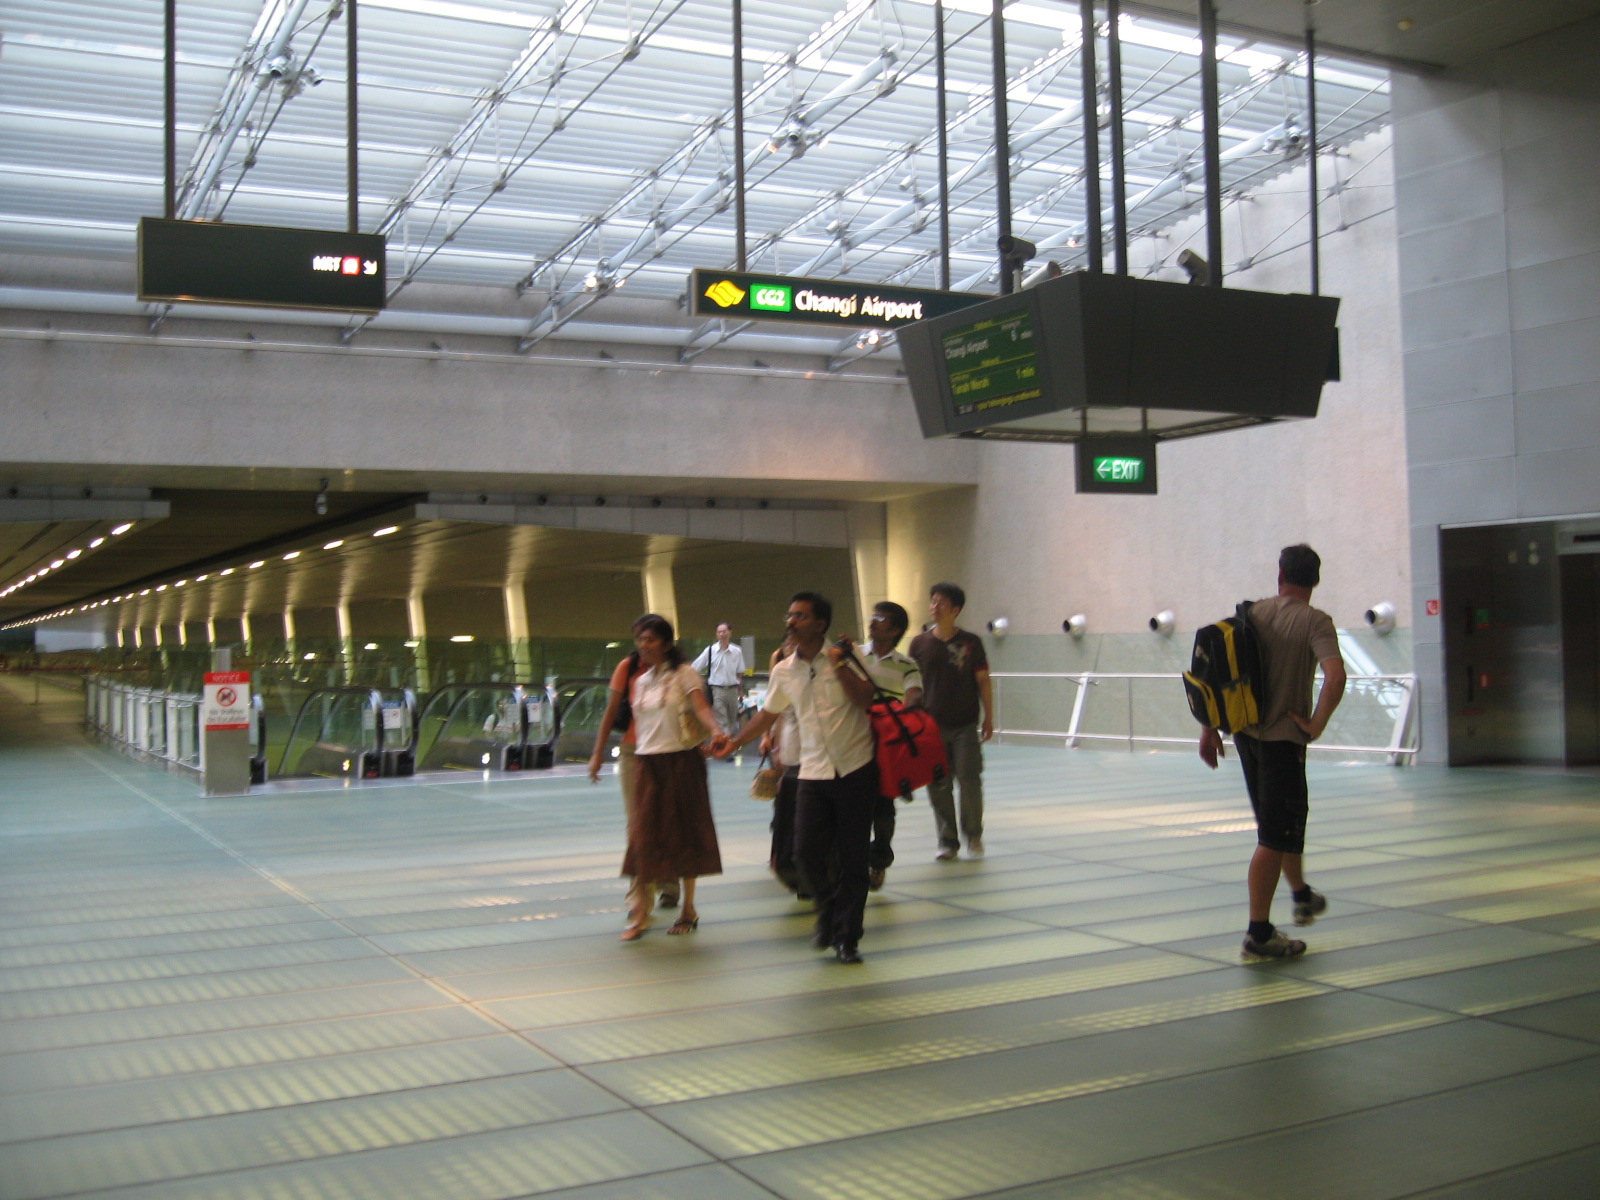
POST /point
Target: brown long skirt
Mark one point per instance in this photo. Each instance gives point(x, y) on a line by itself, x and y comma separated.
point(670, 831)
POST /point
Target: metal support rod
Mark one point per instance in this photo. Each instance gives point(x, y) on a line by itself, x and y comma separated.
point(1002, 143)
point(944, 147)
point(170, 102)
point(352, 138)
point(1313, 200)
point(1095, 254)
point(739, 254)
point(1211, 138)
point(1119, 187)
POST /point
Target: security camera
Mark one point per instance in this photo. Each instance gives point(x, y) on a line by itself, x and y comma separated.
point(1196, 267)
point(1163, 622)
point(1075, 624)
point(1381, 617)
point(999, 626)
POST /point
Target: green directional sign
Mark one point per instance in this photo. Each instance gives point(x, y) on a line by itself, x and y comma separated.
point(803, 300)
point(1120, 463)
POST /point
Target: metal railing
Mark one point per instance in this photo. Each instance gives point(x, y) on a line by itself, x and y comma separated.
point(145, 721)
point(1388, 700)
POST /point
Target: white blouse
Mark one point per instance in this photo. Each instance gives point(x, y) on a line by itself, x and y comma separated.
point(659, 696)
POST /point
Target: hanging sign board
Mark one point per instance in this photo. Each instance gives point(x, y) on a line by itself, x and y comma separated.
point(803, 301)
point(212, 263)
point(226, 701)
point(1114, 464)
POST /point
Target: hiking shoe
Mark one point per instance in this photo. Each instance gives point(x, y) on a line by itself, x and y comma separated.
point(1276, 946)
point(974, 847)
point(947, 853)
point(1305, 912)
point(875, 879)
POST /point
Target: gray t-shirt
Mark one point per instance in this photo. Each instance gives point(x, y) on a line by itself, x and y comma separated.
point(1294, 638)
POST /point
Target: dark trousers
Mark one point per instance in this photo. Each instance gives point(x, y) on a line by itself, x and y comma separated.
point(881, 856)
point(834, 817)
point(782, 857)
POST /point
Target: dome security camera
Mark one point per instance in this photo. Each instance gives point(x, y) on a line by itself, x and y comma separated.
point(1381, 617)
point(1075, 624)
point(1163, 622)
point(999, 626)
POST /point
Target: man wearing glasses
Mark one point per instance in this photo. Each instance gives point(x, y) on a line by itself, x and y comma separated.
point(838, 773)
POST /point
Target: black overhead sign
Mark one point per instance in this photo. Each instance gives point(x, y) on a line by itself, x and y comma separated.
point(806, 301)
point(212, 263)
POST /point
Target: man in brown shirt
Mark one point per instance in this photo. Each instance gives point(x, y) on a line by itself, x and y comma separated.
point(1295, 639)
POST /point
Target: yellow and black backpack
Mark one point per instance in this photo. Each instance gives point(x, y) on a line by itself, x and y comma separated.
point(1226, 681)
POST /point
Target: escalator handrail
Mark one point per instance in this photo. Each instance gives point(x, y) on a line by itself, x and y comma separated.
point(374, 700)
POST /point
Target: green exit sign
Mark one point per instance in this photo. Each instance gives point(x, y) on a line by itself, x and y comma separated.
point(1124, 464)
point(1119, 470)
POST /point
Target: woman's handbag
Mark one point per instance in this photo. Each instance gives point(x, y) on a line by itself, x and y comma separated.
point(765, 784)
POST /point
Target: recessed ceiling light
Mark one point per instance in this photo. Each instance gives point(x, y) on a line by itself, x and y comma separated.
point(386, 531)
point(258, 563)
point(123, 528)
point(293, 554)
point(334, 545)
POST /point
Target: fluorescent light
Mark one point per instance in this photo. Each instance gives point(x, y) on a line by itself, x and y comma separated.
point(461, 637)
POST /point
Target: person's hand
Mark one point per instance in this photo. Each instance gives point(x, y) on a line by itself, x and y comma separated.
point(1310, 728)
point(766, 744)
point(594, 767)
point(1211, 747)
point(721, 746)
point(987, 730)
point(840, 650)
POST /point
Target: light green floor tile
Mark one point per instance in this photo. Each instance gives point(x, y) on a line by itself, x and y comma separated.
point(897, 1000)
point(808, 975)
point(100, 1028)
point(433, 1151)
point(1499, 986)
point(963, 1023)
point(981, 1154)
point(153, 1101)
point(185, 1055)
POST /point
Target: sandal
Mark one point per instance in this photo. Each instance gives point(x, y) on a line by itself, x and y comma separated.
point(687, 923)
point(635, 928)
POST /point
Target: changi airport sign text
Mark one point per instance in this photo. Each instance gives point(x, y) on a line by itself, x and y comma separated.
point(818, 301)
point(213, 263)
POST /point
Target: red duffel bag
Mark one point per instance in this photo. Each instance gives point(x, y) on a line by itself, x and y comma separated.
point(910, 749)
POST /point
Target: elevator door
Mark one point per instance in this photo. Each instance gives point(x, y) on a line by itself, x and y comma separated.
point(1580, 656)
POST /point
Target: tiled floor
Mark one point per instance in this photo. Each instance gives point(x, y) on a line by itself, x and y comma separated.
point(417, 991)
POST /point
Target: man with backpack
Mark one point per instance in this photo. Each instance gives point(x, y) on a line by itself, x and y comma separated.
point(1294, 639)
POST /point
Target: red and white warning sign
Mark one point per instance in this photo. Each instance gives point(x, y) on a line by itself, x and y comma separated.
point(226, 704)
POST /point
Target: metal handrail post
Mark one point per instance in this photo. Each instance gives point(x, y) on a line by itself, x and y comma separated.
point(1074, 724)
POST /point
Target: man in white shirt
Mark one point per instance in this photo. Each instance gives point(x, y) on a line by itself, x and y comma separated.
point(838, 772)
point(899, 676)
point(722, 663)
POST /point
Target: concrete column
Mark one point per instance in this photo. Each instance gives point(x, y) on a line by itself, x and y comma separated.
point(518, 636)
point(418, 622)
point(660, 593)
point(288, 632)
point(347, 640)
point(869, 558)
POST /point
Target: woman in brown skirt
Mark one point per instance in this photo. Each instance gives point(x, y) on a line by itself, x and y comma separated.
point(670, 832)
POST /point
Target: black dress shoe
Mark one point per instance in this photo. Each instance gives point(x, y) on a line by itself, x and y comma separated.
point(820, 940)
point(847, 953)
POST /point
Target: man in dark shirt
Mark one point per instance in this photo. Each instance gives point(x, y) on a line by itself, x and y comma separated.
point(1295, 639)
point(957, 691)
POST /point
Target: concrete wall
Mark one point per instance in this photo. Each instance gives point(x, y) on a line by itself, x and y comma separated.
point(1027, 547)
point(1499, 241)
